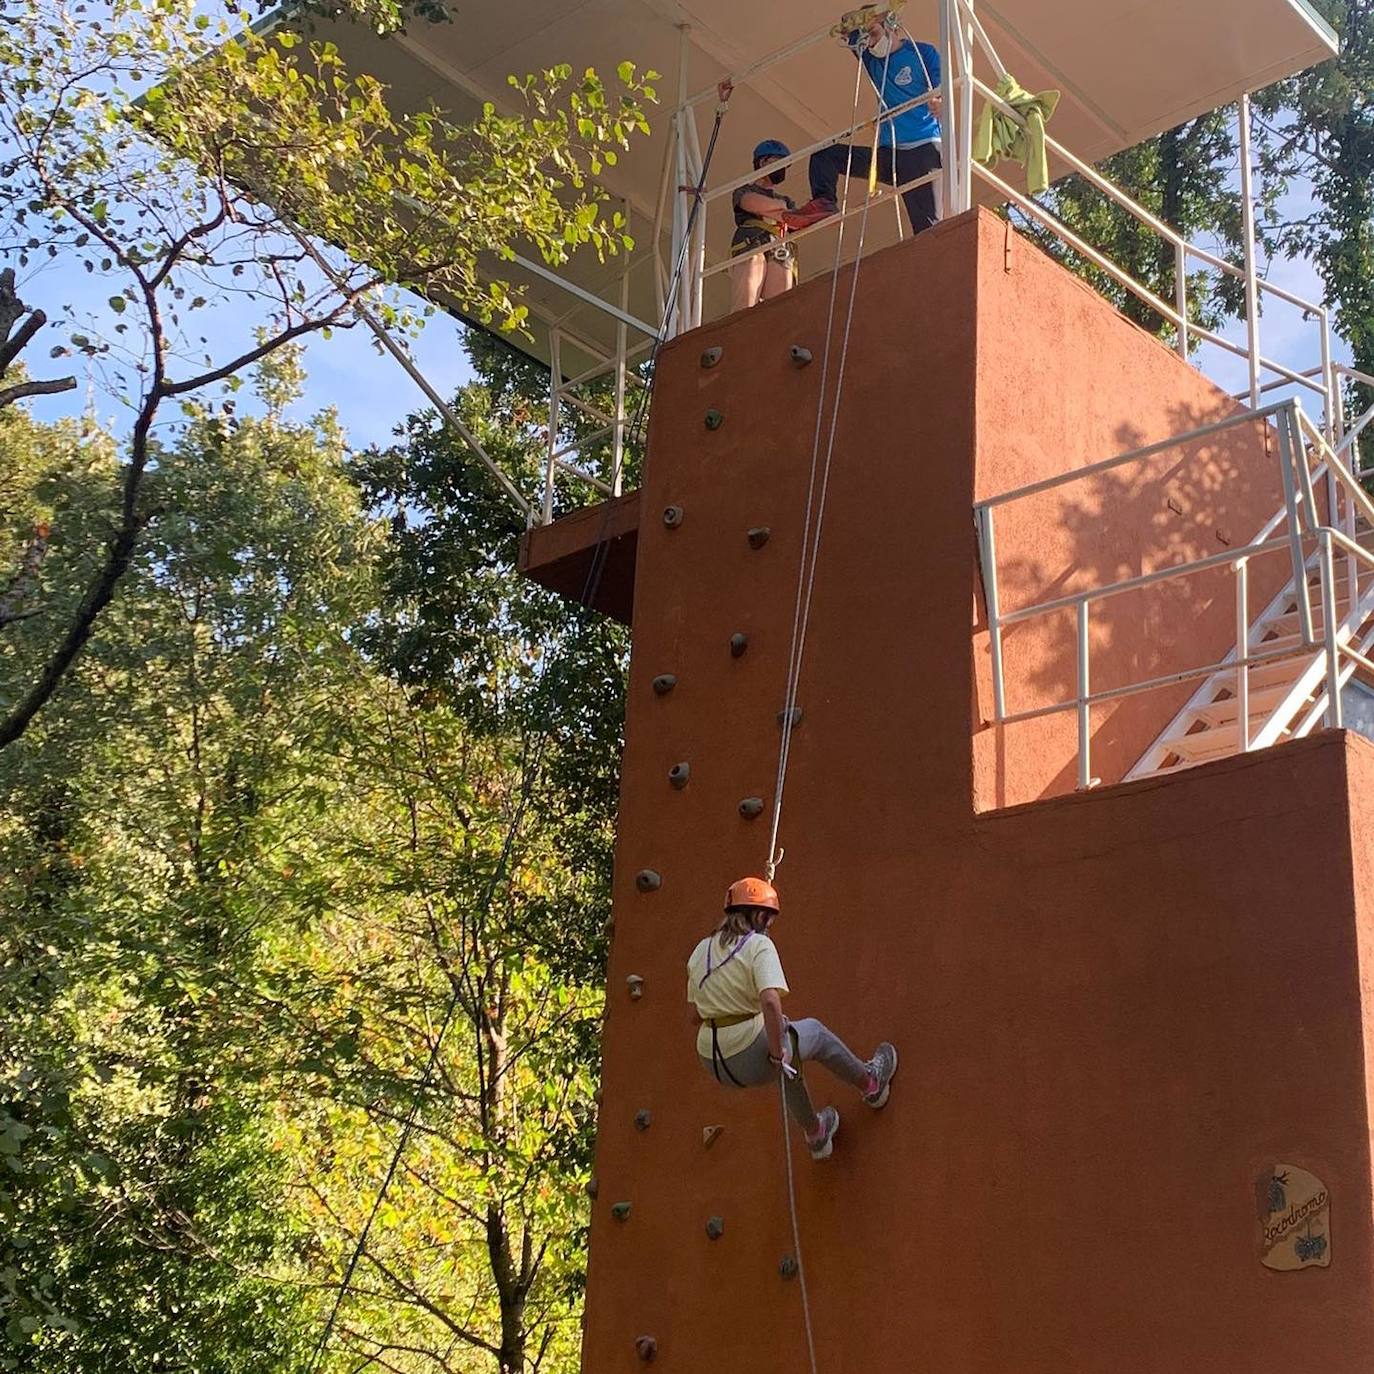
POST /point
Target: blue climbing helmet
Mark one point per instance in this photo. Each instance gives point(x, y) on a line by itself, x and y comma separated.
point(772, 147)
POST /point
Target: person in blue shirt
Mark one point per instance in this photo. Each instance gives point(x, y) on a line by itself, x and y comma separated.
point(909, 144)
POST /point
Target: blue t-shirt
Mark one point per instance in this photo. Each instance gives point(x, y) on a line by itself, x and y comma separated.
point(904, 73)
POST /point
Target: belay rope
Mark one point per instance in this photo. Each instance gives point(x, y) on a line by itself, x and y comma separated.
point(816, 496)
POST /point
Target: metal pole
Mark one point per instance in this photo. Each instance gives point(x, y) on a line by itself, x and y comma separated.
point(555, 393)
point(1247, 193)
point(379, 332)
point(1084, 710)
point(1333, 665)
point(618, 443)
point(1242, 567)
point(1290, 500)
point(1181, 298)
point(1331, 419)
point(987, 543)
point(966, 110)
point(697, 252)
point(949, 144)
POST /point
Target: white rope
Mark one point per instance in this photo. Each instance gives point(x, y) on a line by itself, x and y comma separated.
point(811, 539)
point(796, 1229)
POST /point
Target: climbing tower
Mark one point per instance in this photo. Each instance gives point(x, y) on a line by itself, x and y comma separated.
point(1025, 649)
point(1131, 1130)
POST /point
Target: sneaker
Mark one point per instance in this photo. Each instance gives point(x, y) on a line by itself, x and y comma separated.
point(823, 1142)
point(883, 1067)
point(813, 212)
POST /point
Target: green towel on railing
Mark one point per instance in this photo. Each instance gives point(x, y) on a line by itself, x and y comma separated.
point(1000, 136)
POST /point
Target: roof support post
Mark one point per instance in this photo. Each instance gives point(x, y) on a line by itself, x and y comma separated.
point(1247, 195)
point(618, 440)
point(948, 22)
point(555, 397)
point(678, 319)
point(964, 93)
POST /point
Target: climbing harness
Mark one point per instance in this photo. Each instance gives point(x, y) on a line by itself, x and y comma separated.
point(739, 945)
point(717, 1023)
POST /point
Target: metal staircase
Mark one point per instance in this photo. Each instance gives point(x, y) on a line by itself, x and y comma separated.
point(1287, 673)
point(1283, 673)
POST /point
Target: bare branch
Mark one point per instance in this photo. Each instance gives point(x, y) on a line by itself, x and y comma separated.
point(18, 392)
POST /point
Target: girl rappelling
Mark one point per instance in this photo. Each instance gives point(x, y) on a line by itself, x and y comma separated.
point(735, 982)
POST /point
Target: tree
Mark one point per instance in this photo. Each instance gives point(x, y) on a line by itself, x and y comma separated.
point(1184, 178)
point(184, 193)
point(141, 1195)
point(1317, 131)
point(248, 871)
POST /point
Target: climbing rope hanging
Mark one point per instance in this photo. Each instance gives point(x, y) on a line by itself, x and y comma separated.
point(816, 496)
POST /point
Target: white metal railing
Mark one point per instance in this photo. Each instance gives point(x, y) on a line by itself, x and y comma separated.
point(964, 42)
point(1310, 537)
point(681, 276)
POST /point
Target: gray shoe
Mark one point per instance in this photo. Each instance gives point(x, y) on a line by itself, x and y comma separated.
point(823, 1142)
point(883, 1067)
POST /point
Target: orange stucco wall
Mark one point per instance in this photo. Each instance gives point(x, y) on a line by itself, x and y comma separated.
point(1114, 1009)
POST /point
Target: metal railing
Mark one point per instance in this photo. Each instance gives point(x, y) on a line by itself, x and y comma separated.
point(1310, 537)
point(964, 45)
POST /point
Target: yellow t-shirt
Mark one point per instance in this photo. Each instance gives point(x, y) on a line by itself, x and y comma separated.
point(739, 971)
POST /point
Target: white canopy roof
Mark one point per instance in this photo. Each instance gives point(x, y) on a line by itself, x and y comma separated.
point(1128, 69)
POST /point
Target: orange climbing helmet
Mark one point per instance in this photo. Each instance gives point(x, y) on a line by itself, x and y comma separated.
point(752, 892)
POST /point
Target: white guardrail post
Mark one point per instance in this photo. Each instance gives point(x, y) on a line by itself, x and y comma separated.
point(1085, 769)
point(1247, 197)
point(1330, 628)
point(1242, 568)
point(987, 545)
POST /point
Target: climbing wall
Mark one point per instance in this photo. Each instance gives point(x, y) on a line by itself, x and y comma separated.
point(1131, 1023)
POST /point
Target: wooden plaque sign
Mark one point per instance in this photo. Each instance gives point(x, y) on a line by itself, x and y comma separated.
point(1295, 1219)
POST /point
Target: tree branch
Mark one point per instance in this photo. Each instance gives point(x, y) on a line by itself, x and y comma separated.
point(20, 390)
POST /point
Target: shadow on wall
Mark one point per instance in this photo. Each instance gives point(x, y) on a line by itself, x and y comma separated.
point(1186, 503)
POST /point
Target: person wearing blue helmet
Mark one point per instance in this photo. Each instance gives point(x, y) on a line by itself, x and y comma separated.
point(761, 275)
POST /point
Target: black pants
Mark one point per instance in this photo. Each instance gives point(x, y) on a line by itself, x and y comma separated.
point(828, 166)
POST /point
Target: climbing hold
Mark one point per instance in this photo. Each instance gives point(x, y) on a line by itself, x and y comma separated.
point(714, 419)
point(679, 775)
point(792, 717)
point(751, 807)
point(758, 536)
point(801, 356)
point(608, 927)
point(643, 1119)
point(636, 985)
point(672, 516)
point(664, 683)
point(621, 1211)
point(715, 1227)
point(592, 1188)
point(788, 1267)
point(738, 644)
point(711, 356)
point(710, 1134)
point(646, 880)
point(647, 1348)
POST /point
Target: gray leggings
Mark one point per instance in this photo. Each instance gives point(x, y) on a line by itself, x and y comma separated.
point(811, 1040)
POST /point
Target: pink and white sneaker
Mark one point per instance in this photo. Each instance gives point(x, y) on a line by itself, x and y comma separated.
point(823, 1142)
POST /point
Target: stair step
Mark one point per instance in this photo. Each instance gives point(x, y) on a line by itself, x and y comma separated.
point(1226, 710)
point(1288, 623)
point(1203, 745)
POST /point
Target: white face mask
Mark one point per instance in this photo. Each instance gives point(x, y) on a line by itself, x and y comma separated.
point(881, 46)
